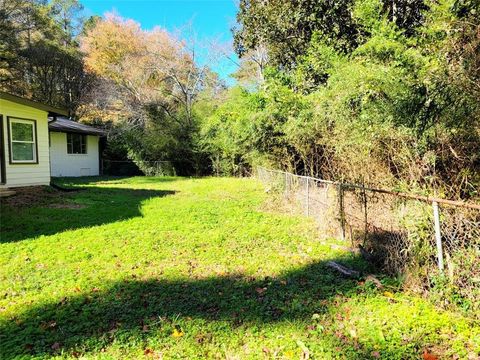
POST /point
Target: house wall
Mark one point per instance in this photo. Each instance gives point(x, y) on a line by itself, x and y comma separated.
point(26, 174)
point(64, 164)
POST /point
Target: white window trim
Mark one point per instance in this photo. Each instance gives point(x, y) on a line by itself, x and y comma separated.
point(12, 119)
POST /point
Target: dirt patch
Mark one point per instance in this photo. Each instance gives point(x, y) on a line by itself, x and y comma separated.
point(37, 196)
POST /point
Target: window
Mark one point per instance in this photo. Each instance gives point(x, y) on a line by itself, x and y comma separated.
point(76, 143)
point(23, 141)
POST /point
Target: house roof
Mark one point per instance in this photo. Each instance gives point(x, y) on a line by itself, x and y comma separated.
point(61, 124)
point(52, 111)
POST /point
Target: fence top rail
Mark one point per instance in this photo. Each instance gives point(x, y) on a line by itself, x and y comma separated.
point(383, 191)
point(139, 161)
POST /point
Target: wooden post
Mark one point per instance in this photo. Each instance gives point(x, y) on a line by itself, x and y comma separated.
point(438, 236)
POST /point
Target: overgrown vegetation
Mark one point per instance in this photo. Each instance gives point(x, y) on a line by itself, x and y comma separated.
point(199, 268)
point(371, 91)
point(377, 94)
point(382, 93)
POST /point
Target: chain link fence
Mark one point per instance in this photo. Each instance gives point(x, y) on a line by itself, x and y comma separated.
point(132, 168)
point(396, 231)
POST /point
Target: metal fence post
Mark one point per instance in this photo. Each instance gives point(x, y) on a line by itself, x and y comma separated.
point(342, 210)
point(438, 236)
point(365, 209)
point(308, 196)
point(286, 184)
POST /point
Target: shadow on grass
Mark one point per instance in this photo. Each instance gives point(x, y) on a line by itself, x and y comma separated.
point(46, 211)
point(139, 309)
point(89, 180)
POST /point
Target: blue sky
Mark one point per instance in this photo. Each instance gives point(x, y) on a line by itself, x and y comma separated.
point(211, 19)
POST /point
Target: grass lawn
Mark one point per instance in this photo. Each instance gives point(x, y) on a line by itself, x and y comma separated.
point(196, 268)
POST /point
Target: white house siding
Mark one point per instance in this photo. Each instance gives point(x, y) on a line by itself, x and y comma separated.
point(64, 164)
point(26, 174)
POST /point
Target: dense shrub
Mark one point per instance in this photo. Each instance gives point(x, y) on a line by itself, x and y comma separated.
point(394, 111)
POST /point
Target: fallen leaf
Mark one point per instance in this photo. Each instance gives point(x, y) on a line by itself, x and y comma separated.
point(48, 325)
point(260, 291)
point(177, 333)
point(375, 281)
point(428, 356)
point(201, 338)
point(375, 354)
point(148, 352)
point(388, 294)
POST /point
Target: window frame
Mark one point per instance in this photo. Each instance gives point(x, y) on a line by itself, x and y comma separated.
point(3, 169)
point(83, 136)
point(12, 119)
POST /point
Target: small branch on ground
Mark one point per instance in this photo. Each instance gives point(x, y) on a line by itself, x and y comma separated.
point(343, 269)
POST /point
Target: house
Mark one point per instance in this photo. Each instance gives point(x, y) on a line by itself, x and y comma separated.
point(74, 148)
point(37, 141)
point(24, 145)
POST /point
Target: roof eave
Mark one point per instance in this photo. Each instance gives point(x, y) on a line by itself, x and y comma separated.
point(78, 132)
point(52, 111)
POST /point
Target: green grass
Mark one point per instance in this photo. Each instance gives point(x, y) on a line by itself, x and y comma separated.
point(196, 268)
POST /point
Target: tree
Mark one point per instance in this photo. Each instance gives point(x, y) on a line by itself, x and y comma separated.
point(285, 28)
point(158, 81)
point(398, 106)
point(252, 67)
point(67, 15)
point(40, 57)
point(153, 66)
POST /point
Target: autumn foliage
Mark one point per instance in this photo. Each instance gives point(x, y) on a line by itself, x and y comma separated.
point(152, 76)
